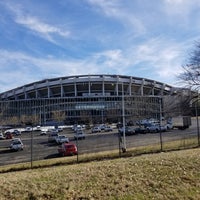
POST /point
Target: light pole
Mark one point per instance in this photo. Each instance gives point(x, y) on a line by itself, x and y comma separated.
point(123, 118)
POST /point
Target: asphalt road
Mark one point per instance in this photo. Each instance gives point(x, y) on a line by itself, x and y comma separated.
point(97, 142)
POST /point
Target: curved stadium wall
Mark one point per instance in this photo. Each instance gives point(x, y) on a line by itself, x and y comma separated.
point(84, 99)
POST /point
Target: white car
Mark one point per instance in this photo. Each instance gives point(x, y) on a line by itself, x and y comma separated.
point(152, 128)
point(108, 128)
point(169, 126)
point(28, 129)
point(79, 135)
point(61, 139)
point(52, 136)
point(43, 132)
point(96, 129)
point(16, 145)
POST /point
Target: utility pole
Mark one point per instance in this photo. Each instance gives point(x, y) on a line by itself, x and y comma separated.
point(123, 117)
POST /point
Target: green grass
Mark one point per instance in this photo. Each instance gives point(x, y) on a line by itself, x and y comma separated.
point(166, 175)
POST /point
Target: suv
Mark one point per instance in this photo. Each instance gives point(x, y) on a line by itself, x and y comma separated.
point(16, 145)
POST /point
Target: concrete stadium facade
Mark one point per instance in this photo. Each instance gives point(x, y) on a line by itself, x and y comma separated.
point(84, 99)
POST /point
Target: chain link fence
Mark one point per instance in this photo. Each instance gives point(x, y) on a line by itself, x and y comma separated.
point(97, 146)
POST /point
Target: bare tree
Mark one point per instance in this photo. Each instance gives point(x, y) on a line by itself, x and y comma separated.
point(191, 73)
point(58, 116)
point(176, 105)
point(30, 119)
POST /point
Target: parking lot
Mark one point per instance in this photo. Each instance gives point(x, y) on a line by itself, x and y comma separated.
point(93, 142)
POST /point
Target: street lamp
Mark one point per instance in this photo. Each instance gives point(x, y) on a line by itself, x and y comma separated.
point(123, 118)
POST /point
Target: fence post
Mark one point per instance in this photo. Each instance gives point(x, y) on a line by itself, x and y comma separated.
point(31, 146)
point(120, 141)
point(161, 140)
point(77, 148)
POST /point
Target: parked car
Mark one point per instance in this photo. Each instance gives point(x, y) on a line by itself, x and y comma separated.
point(128, 130)
point(79, 135)
point(28, 129)
point(52, 130)
point(52, 136)
point(140, 129)
point(43, 132)
point(119, 125)
point(108, 128)
point(61, 139)
point(102, 127)
point(68, 149)
point(154, 128)
point(2, 136)
point(59, 129)
point(169, 126)
point(77, 127)
point(8, 135)
point(16, 145)
point(16, 132)
point(96, 129)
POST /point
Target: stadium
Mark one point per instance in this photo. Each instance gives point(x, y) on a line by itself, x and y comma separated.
point(85, 99)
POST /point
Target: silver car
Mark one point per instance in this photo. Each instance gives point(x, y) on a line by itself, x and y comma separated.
point(61, 139)
point(16, 145)
point(79, 135)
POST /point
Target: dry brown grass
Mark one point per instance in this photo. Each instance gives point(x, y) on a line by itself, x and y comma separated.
point(173, 175)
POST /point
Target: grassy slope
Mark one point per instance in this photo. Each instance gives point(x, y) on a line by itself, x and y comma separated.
point(174, 175)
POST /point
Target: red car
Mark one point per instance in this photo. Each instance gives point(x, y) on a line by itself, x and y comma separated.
point(68, 149)
point(8, 135)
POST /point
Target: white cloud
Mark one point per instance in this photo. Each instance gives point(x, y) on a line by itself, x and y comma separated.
point(116, 10)
point(162, 57)
point(110, 8)
point(19, 68)
point(109, 58)
point(24, 68)
point(158, 58)
point(36, 25)
point(181, 8)
point(155, 58)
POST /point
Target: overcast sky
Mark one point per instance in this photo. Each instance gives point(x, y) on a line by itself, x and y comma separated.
point(42, 39)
